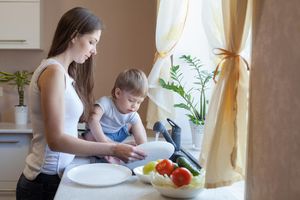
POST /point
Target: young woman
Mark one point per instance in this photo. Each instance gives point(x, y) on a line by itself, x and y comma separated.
point(61, 96)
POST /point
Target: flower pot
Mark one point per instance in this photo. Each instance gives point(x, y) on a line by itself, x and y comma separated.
point(197, 132)
point(21, 115)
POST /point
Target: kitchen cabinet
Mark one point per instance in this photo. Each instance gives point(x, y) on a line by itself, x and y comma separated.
point(14, 146)
point(20, 24)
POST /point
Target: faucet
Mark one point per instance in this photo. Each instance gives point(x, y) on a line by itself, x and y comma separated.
point(175, 134)
point(160, 128)
point(174, 139)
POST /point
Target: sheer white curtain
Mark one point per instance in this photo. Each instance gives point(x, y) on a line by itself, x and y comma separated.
point(224, 144)
point(170, 23)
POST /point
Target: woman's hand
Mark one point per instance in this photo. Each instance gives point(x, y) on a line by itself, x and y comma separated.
point(128, 153)
point(133, 143)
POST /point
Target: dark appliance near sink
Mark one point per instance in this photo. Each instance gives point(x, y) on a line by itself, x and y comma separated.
point(175, 139)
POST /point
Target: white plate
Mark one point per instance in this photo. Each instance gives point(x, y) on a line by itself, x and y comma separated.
point(99, 174)
point(155, 150)
point(143, 177)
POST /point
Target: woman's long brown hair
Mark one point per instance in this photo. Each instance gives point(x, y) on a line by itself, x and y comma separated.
point(77, 21)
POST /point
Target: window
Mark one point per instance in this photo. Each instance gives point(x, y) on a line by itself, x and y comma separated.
point(194, 42)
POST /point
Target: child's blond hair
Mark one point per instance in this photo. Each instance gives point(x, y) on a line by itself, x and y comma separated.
point(133, 81)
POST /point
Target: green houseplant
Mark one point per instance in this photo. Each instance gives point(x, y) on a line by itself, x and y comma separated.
point(196, 109)
point(20, 79)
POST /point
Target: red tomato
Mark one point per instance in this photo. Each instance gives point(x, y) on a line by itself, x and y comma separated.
point(165, 167)
point(181, 176)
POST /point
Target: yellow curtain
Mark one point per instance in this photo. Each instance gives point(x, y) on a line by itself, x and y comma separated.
point(224, 144)
point(171, 17)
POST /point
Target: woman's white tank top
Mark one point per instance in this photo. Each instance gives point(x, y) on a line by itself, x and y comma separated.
point(40, 158)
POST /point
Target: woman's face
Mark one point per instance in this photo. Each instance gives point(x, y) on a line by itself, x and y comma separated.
point(84, 46)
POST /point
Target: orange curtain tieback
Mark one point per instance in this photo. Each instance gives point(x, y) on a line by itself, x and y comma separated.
point(160, 55)
point(226, 55)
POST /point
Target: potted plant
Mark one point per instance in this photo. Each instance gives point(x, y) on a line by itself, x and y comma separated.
point(20, 79)
point(196, 109)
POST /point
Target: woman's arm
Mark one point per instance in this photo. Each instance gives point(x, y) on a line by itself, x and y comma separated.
point(52, 86)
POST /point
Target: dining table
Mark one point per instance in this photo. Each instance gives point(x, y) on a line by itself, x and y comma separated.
point(133, 188)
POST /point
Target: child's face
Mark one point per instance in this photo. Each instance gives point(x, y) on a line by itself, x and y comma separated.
point(127, 102)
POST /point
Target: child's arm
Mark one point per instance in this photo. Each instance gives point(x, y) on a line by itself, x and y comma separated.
point(95, 126)
point(139, 132)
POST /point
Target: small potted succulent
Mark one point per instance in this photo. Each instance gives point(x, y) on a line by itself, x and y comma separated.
point(196, 108)
point(19, 79)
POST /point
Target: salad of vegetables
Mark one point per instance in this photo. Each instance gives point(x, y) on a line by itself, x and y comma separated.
point(181, 173)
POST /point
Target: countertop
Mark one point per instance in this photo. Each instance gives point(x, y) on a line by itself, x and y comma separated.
point(9, 127)
point(6, 127)
point(133, 189)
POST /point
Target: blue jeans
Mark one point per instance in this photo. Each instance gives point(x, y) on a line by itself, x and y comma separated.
point(120, 135)
point(43, 187)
